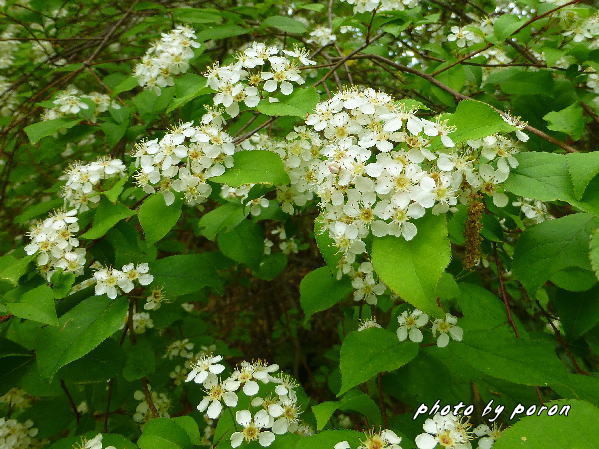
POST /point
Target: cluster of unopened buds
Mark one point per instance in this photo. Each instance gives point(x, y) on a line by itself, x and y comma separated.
point(71, 101)
point(82, 181)
point(258, 71)
point(184, 159)
point(167, 57)
point(273, 398)
point(110, 281)
point(54, 242)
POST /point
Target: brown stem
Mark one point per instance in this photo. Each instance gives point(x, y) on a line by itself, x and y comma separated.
point(148, 395)
point(71, 401)
point(503, 292)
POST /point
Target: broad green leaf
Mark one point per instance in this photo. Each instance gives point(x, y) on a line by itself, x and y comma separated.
point(196, 15)
point(221, 32)
point(576, 430)
point(183, 274)
point(11, 268)
point(505, 25)
point(475, 120)
point(578, 312)
point(583, 167)
point(550, 247)
point(319, 290)
point(366, 353)
point(156, 218)
point(271, 266)
point(164, 433)
point(330, 253)
point(79, 331)
point(243, 244)
point(115, 191)
point(188, 87)
point(519, 81)
point(223, 218)
point(126, 85)
point(522, 361)
point(254, 167)
point(569, 121)
point(594, 252)
point(412, 268)
point(106, 216)
point(298, 104)
point(353, 401)
point(37, 209)
point(36, 305)
point(38, 131)
point(285, 24)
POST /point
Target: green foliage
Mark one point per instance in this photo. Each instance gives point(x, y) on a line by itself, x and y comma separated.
point(156, 218)
point(319, 291)
point(413, 268)
point(367, 353)
point(254, 167)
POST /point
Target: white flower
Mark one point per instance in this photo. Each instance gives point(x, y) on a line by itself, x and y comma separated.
point(409, 324)
point(447, 431)
point(252, 428)
point(217, 393)
point(203, 367)
point(446, 327)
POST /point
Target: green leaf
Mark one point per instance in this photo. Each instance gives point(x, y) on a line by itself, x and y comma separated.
point(583, 167)
point(221, 32)
point(11, 268)
point(189, 87)
point(37, 209)
point(164, 433)
point(298, 104)
point(106, 216)
point(521, 361)
point(271, 266)
point(62, 283)
point(285, 24)
point(578, 312)
point(505, 25)
point(412, 268)
point(36, 305)
point(569, 121)
point(326, 245)
point(254, 167)
point(156, 218)
point(140, 361)
point(369, 352)
point(38, 131)
point(115, 191)
point(353, 401)
point(196, 15)
point(243, 244)
point(79, 331)
point(126, 85)
point(594, 252)
point(319, 291)
point(223, 218)
point(475, 120)
point(550, 247)
point(184, 274)
point(576, 430)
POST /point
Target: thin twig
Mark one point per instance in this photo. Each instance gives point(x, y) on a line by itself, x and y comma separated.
point(145, 384)
point(71, 401)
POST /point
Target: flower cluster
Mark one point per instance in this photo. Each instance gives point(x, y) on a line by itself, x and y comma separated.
point(385, 439)
point(287, 245)
point(322, 36)
point(184, 159)
point(381, 5)
point(143, 412)
point(448, 431)
point(240, 194)
point(71, 101)
point(167, 57)
point(7, 47)
point(273, 398)
point(535, 211)
point(110, 281)
point(463, 36)
point(373, 171)
point(258, 67)
point(54, 243)
point(93, 443)
point(16, 435)
point(585, 30)
point(83, 180)
point(412, 322)
point(16, 399)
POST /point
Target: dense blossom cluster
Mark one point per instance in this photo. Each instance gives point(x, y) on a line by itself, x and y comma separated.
point(447, 431)
point(385, 439)
point(144, 413)
point(184, 159)
point(55, 245)
point(82, 181)
point(322, 36)
point(71, 101)
point(381, 5)
point(274, 408)
point(110, 281)
point(17, 435)
point(258, 72)
point(167, 57)
point(92, 443)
